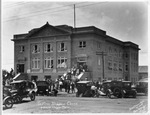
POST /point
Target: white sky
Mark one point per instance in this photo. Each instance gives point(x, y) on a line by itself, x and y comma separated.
point(126, 21)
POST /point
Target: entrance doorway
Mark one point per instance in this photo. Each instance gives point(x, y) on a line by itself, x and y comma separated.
point(82, 65)
point(20, 68)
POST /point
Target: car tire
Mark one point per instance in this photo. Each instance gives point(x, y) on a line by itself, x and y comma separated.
point(32, 96)
point(8, 103)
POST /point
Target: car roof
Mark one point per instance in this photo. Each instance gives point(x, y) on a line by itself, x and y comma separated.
point(108, 81)
point(19, 81)
point(84, 82)
point(127, 81)
point(42, 83)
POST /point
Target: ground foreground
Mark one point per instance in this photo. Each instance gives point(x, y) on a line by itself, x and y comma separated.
point(68, 103)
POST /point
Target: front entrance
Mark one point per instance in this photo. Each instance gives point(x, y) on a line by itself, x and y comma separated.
point(20, 68)
point(82, 65)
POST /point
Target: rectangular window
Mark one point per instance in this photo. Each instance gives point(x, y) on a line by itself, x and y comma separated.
point(48, 47)
point(115, 66)
point(62, 62)
point(115, 50)
point(48, 63)
point(110, 50)
point(36, 48)
point(22, 48)
point(63, 47)
point(126, 66)
point(99, 45)
point(110, 65)
point(120, 53)
point(99, 61)
point(120, 66)
point(35, 63)
point(82, 44)
point(126, 55)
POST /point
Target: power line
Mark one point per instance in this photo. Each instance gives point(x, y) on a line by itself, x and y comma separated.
point(10, 5)
point(49, 12)
point(38, 11)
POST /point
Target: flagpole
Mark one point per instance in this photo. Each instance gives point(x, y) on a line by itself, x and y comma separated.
point(74, 16)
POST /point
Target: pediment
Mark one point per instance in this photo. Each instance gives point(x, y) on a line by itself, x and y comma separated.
point(46, 30)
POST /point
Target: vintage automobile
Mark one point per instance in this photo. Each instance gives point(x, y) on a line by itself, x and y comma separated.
point(23, 89)
point(84, 89)
point(142, 86)
point(118, 89)
point(7, 98)
point(43, 88)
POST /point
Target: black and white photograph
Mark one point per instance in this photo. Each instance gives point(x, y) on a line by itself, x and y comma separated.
point(74, 57)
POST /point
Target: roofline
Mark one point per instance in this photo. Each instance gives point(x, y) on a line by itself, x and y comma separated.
point(82, 30)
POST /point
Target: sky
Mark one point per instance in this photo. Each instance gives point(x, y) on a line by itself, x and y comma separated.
point(126, 21)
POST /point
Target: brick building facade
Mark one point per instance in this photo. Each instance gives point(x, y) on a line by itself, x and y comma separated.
point(50, 51)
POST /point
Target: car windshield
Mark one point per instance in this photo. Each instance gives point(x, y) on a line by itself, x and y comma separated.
point(18, 85)
point(42, 83)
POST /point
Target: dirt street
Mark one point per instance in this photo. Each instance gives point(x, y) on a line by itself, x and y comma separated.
point(65, 103)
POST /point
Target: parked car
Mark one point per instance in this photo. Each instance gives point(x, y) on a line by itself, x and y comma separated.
point(128, 90)
point(43, 88)
point(23, 89)
point(7, 98)
point(142, 86)
point(118, 89)
point(84, 89)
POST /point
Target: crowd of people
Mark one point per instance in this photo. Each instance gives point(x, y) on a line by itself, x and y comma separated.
point(8, 77)
point(67, 81)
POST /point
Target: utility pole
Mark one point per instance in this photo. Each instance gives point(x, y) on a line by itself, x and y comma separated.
point(103, 63)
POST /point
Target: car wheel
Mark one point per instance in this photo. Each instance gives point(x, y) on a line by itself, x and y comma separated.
point(8, 103)
point(32, 96)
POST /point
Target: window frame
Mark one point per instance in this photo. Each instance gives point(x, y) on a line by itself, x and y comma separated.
point(64, 47)
point(50, 49)
point(34, 49)
point(49, 61)
point(110, 66)
point(22, 48)
point(59, 62)
point(82, 44)
point(126, 67)
point(36, 63)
